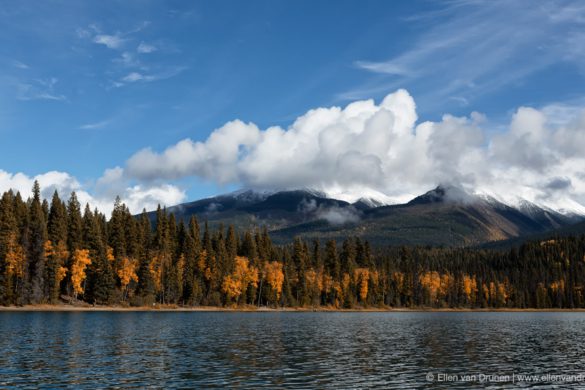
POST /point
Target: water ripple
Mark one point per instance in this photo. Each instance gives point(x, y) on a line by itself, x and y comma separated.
point(285, 350)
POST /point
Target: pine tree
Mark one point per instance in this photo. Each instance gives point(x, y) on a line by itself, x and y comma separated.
point(58, 255)
point(10, 278)
point(100, 276)
point(146, 287)
point(332, 264)
point(36, 237)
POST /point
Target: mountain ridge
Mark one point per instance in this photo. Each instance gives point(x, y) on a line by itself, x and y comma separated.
point(443, 216)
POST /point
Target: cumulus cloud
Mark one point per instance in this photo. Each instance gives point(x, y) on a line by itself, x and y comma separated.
point(111, 184)
point(378, 150)
point(367, 149)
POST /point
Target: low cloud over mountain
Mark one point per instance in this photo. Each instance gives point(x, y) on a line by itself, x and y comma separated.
point(366, 149)
point(381, 149)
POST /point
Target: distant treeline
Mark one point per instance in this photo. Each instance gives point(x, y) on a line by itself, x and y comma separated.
point(50, 252)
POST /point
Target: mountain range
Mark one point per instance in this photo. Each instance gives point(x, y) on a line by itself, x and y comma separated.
point(444, 216)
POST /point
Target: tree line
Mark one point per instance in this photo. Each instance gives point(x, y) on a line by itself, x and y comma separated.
point(53, 251)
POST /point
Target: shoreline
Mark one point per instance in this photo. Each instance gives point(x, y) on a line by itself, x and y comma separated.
point(251, 309)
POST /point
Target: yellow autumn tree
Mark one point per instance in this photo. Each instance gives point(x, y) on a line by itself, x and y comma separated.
point(157, 266)
point(238, 281)
point(48, 247)
point(345, 287)
point(15, 258)
point(313, 285)
point(274, 277)
point(110, 253)
point(127, 273)
point(326, 283)
point(57, 254)
point(61, 252)
point(81, 260)
point(469, 288)
point(437, 285)
point(361, 278)
point(202, 261)
point(558, 286)
point(203, 265)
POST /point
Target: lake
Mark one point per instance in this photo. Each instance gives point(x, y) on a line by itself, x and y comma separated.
point(292, 349)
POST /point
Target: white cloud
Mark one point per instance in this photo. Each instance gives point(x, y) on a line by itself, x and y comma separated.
point(133, 77)
point(110, 41)
point(378, 150)
point(129, 66)
point(384, 67)
point(471, 48)
point(95, 125)
point(39, 89)
point(145, 48)
point(107, 188)
point(20, 65)
point(128, 60)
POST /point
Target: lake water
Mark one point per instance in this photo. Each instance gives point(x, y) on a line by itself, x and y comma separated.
point(291, 350)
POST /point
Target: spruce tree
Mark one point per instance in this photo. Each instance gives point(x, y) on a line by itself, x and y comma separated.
point(100, 277)
point(57, 259)
point(145, 288)
point(36, 238)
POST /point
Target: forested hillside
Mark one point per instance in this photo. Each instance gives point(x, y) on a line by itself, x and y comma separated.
point(446, 215)
point(53, 252)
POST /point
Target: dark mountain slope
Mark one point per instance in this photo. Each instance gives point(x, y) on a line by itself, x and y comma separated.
point(445, 216)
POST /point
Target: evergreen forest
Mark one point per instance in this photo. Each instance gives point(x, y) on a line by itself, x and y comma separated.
point(55, 252)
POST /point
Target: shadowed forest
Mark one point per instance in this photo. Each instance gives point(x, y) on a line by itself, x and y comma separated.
point(55, 252)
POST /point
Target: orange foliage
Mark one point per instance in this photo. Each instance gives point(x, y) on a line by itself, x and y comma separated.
point(244, 275)
point(15, 258)
point(203, 265)
point(312, 280)
point(59, 251)
point(485, 291)
point(156, 268)
point(81, 260)
point(274, 276)
point(327, 283)
point(48, 247)
point(502, 293)
point(492, 291)
point(110, 253)
point(558, 285)
point(469, 287)
point(127, 271)
point(436, 284)
point(202, 261)
point(61, 273)
point(361, 278)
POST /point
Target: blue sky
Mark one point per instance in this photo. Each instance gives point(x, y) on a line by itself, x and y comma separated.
point(86, 85)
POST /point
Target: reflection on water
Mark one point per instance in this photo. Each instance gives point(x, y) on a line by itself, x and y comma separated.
point(295, 350)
